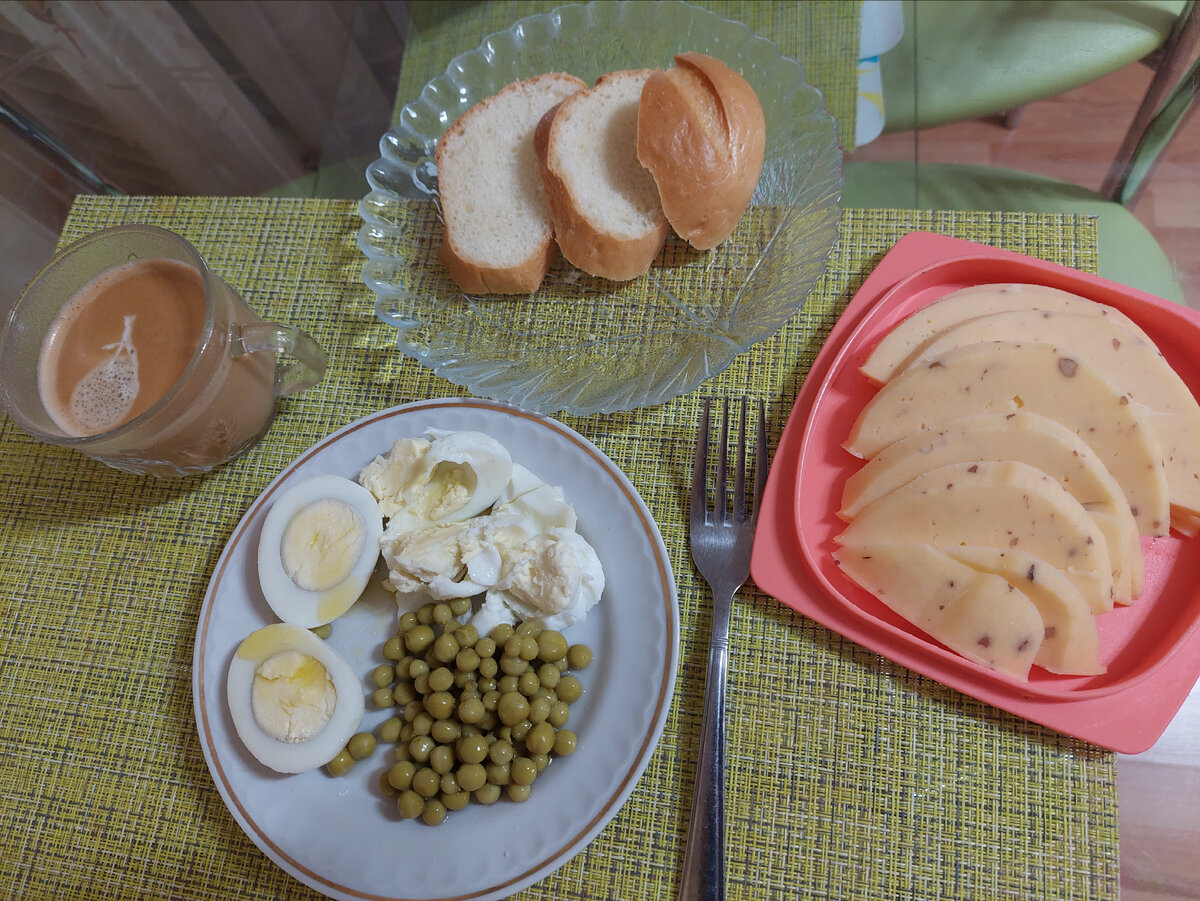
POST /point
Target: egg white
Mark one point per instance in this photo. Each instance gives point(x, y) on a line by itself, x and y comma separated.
point(282, 756)
point(301, 606)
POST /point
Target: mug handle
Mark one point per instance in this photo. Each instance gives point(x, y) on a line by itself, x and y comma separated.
point(309, 360)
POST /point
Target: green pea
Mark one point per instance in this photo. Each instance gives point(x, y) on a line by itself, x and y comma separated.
point(408, 620)
point(403, 693)
point(400, 776)
point(506, 684)
point(412, 710)
point(389, 730)
point(382, 698)
point(501, 633)
point(426, 783)
point(422, 723)
point(530, 627)
point(421, 684)
point(472, 710)
point(418, 639)
point(445, 649)
point(425, 614)
point(539, 710)
point(341, 764)
point(467, 660)
point(445, 732)
point(512, 708)
point(442, 614)
point(487, 794)
point(322, 631)
point(417, 668)
point(448, 784)
point(540, 739)
point(523, 771)
point(441, 760)
point(410, 804)
point(401, 752)
point(439, 704)
point(406, 733)
point(551, 646)
point(579, 656)
point(521, 729)
point(548, 675)
point(472, 749)
point(485, 647)
point(459, 606)
point(434, 813)
point(361, 745)
point(455, 800)
point(500, 752)
point(383, 675)
point(529, 648)
point(541, 761)
point(564, 742)
point(393, 649)
point(518, 792)
point(441, 679)
point(488, 667)
point(569, 689)
point(472, 776)
point(497, 773)
point(528, 684)
point(421, 747)
point(513, 666)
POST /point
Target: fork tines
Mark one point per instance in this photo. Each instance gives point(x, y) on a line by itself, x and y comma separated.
point(721, 506)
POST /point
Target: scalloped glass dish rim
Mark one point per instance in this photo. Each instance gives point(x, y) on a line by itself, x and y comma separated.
point(390, 169)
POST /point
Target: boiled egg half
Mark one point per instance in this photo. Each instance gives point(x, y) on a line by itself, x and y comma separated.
point(319, 546)
point(294, 700)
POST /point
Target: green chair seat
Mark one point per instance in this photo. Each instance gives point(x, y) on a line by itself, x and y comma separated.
point(1128, 253)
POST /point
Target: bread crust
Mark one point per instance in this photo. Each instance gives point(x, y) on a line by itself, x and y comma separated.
point(586, 244)
point(702, 134)
point(477, 276)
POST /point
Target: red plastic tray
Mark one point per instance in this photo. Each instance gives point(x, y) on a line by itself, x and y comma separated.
point(1151, 649)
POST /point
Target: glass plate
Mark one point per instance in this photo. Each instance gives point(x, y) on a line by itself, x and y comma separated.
point(581, 344)
point(342, 836)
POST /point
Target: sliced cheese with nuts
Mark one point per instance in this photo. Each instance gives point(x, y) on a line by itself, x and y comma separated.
point(1071, 641)
point(1001, 505)
point(1044, 444)
point(895, 351)
point(1010, 377)
point(978, 615)
point(1135, 367)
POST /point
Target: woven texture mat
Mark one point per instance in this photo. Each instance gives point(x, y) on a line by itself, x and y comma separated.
point(822, 35)
point(848, 776)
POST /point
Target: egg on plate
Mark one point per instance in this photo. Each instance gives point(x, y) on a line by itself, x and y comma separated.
point(294, 700)
point(319, 546)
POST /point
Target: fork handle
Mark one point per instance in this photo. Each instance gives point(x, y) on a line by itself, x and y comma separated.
point(704, 857)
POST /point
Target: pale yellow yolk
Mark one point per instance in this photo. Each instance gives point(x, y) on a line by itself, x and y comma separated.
point(293, 697)
point(321, 544)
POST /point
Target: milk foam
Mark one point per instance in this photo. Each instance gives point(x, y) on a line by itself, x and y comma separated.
point(104, 397)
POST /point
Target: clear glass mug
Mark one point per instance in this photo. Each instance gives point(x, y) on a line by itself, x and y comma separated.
point(218, 408)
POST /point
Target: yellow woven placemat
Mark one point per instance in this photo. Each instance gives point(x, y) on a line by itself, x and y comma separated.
point(849, 776)
point(822, 35)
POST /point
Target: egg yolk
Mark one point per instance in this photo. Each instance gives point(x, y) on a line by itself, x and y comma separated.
point(321, 544)
point(292, 697)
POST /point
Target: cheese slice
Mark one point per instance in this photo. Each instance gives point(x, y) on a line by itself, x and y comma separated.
point(1134, 366)
point(911, 334)
point(1071, 643)
point(978, 615)
point(1000, 505)
point(1044, 444)
point(1009, 377)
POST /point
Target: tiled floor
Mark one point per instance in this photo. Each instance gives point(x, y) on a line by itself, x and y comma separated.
point(1074, 137)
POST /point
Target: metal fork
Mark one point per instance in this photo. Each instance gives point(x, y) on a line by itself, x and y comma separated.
point(721, 543)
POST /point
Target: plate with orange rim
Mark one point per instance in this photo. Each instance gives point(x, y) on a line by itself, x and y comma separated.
point(342, 836)
point(1151, 649)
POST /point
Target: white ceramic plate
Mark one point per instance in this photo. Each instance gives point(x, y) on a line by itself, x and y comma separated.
point(342, 836)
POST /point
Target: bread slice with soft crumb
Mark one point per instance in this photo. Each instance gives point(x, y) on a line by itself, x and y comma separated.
point(498, 237)
point(604, 204)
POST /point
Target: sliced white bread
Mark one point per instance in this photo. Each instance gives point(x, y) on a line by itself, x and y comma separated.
point(604, 205)
point(702, 135)
point(498, 238)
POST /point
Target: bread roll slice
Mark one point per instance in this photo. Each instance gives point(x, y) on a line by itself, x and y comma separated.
point(497, 236)
point(604, 205)
point(701, 133)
